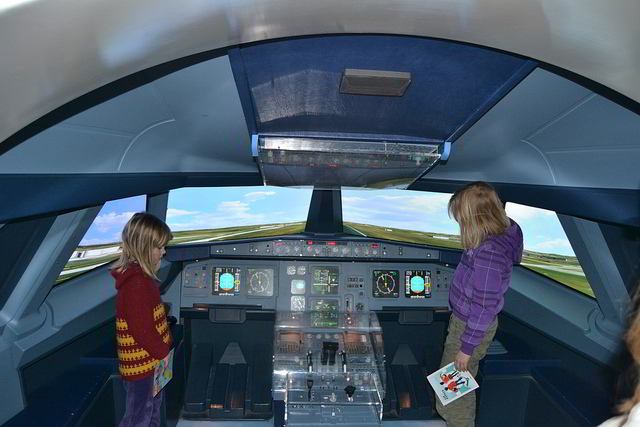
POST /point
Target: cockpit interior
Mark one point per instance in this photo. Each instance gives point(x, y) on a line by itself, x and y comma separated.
point(303, 155)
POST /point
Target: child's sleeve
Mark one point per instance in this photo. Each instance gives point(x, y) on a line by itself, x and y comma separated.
point(139, 313)
point(488, 270)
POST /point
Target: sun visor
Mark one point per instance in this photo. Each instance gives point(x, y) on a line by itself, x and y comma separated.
point(332, 163)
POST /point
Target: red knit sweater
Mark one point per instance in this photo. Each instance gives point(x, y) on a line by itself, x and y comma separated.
point(142, 333)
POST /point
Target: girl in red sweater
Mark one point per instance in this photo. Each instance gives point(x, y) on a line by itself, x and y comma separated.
point(142, 333)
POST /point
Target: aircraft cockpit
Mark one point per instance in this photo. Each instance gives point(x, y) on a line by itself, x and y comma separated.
point(303, 155)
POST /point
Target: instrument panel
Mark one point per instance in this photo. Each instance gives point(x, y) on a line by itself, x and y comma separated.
point(324, 286)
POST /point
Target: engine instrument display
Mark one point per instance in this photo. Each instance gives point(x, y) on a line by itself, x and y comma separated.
point(226, 281)
point(260, 282)
point(324, 313)
point(385, 283)
point(325, 280)
point(417, 284)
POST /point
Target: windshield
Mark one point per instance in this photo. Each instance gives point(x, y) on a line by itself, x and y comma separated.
point(197, 215)
point(404, 215)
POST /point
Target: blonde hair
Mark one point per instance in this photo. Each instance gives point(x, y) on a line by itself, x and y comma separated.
point(632, 338)
point(140, 235)
point(479, 212)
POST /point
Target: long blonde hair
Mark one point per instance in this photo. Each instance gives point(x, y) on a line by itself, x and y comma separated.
point(479, 212)
point(140, 235)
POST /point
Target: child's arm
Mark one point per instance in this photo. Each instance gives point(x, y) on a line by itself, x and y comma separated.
point(142, 326)
point(487, 300)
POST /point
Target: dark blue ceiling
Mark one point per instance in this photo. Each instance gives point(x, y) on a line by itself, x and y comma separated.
point(292, 86)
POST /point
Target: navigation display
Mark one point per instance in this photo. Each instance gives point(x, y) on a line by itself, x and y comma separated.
point(386, 283)
point(325, 280)
point(417, 284)
point(226, 281)
point(260, 282)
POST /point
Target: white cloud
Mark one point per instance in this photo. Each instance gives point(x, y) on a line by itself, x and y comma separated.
point(521, 213)
point(552, 245)
point(108, 221)
point(257, 195)
point(352, 199)
point(412, 211)
point(233, 207)
point(172, 213)
point(113, 238)
point(226, 214)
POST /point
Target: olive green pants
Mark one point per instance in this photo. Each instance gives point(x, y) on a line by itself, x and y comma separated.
point(462, 412)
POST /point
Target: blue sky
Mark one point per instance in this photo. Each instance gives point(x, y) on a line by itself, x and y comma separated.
point(410, 210)
point(422, 211)
point(200, 208)
point(541, 228)
point(107, 226)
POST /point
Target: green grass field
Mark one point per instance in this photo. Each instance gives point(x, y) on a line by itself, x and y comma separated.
point(72, 265)
point(180, 237)
point(409, 236)
point(563, 269)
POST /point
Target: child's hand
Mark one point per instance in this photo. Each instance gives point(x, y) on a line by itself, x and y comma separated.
point(462, 361)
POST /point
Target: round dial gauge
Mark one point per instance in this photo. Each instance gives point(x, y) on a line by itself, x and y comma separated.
point(291, 270)
point(297, 303)
point(385, 284)
point(261, 282)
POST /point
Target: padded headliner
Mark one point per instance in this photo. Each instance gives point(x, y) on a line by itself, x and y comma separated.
point(294, 85)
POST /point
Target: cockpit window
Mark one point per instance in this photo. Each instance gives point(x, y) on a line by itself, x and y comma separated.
point(547, 249)
point(408, 216)
point(197, 215)
point(101, 244)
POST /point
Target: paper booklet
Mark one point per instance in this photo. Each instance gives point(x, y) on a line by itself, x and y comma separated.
point(451, 384)
point(163, 373)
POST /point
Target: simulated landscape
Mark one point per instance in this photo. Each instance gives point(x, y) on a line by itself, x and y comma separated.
point(561, 268)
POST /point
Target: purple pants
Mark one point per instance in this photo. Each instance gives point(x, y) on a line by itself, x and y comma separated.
point(142, 409)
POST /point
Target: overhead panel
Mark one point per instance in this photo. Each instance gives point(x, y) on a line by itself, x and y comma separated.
point(331, 163)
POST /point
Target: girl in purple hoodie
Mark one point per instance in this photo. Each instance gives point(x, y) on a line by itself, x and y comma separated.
point(492, 243)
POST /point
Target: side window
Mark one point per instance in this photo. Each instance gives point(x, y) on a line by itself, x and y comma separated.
point(547, 249)
point(101, 244)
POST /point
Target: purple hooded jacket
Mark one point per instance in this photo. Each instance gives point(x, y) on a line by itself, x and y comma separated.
point(480, 281)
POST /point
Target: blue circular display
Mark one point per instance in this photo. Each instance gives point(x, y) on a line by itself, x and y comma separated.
point(417, 284)
point(226, 281)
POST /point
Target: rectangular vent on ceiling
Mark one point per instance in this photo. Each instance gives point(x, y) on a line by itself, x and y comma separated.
point(374, 82)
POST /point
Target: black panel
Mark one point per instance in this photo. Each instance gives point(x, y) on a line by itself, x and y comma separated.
point(325, 212)
point(618, 206)
point(66, 358)
point(218, 381)
point(195, 399)
point(412, 350)
point(238, 385)
point(259, 389)
point(539, 372)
